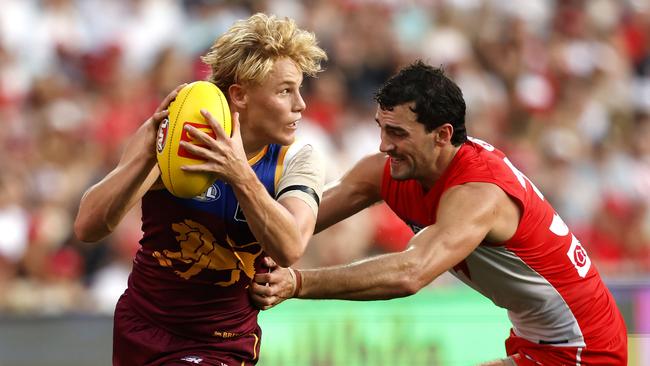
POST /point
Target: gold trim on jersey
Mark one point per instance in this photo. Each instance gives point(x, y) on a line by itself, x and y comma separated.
point(279, 167)
point(257, 339)
point(258, 156)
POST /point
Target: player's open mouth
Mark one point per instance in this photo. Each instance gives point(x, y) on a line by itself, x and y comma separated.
point(293, 125)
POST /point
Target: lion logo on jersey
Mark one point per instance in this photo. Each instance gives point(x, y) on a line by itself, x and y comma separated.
point(200, 248)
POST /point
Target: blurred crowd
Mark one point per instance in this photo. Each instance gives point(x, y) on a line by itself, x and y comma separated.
point(563, 87)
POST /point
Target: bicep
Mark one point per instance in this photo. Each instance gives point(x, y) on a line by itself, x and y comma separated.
point(465, 216)
point(299, 189)
point(303, 177)
point(302, 213)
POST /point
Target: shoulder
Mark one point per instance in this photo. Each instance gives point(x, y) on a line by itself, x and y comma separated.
point(367, 173)
point(359, 184)
point(371, 166)
point(301, 150)
point(303, 175)
point(302, 158)
point(365, 177)
point(482, 205)
point(474, 195)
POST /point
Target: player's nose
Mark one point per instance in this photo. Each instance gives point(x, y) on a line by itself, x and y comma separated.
point(299, 104)
point(386, 146)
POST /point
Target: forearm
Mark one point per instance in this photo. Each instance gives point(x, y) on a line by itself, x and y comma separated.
point(383, 277)
point(271, 223)
point(104, 205)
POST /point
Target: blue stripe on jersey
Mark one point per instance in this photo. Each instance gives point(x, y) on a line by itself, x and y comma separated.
point(220, 202)
point(220, 199)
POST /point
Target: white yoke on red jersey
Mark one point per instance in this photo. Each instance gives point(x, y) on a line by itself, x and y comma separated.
point(542, 275)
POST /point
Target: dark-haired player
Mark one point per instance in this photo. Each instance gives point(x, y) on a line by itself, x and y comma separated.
point(474, 214)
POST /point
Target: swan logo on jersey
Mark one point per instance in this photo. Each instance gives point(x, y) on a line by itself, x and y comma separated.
point(578, 256)
point(211, 194)
point(199, 250)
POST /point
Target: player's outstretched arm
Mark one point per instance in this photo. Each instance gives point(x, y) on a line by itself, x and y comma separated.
point(104, 205)
point(466, 215)
point(359, 188)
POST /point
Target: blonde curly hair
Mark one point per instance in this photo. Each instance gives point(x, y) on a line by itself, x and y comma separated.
point(247, 51)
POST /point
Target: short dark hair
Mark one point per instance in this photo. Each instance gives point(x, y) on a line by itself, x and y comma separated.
point(438, 100)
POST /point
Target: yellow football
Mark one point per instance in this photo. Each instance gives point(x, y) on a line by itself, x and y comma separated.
point(184, 110)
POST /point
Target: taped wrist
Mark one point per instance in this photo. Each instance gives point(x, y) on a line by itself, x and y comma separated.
point(297, 276)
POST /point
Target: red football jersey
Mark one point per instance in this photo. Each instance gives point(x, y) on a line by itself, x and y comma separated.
point(542, 275)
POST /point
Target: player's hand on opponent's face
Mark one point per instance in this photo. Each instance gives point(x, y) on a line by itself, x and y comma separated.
point(271, 288)
point(224, 155)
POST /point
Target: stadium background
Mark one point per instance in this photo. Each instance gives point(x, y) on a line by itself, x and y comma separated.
point(563, 87)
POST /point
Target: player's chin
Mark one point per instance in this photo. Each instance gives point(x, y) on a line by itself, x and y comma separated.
point(286, 138)
point(397, 175)
point(400, 178)
point(400, 173)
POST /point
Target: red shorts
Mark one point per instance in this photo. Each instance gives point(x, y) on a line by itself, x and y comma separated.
point(138, 342)
point(526, 353)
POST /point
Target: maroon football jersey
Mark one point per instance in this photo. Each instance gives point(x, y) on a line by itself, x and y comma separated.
point(197, 259)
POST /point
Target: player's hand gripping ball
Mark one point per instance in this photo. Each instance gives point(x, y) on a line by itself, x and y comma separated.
point(185, 109)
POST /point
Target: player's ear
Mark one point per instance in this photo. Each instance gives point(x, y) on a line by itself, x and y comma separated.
point(444, 133)
point(238, 96)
